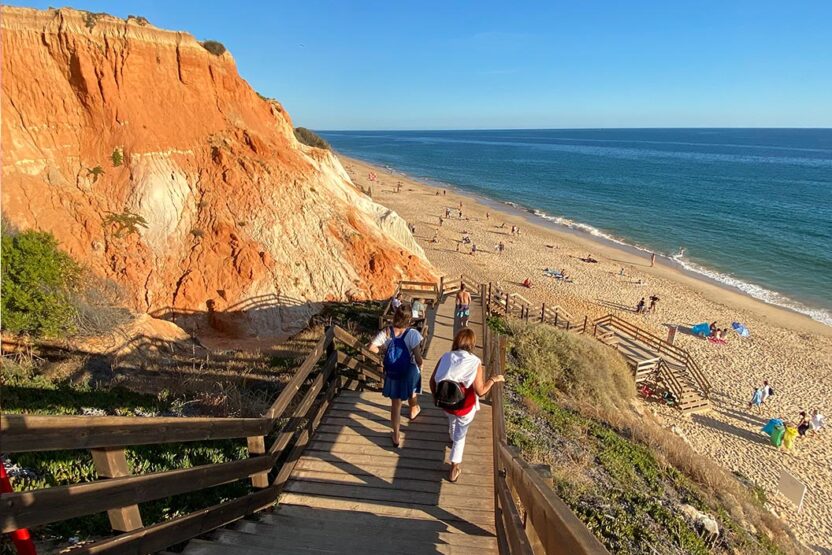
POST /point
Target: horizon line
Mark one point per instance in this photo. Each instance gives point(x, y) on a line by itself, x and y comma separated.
point(783, 128)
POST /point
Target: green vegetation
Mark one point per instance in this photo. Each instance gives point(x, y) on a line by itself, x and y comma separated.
point(117, 157)
point(310, 138)
point(125, 223)
point(569, 405)
point(214, 47)
point(141, 20)
point(91, 19)
point(26, 392)
point(95, 172)
point(37, 281)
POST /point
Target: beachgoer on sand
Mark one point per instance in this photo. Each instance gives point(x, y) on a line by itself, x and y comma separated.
point(757, 399)
point(487, 216)
point(527, 283)
point(402, 359)
point(768, 391)
point(803, 425)
point(640, 306)
point(473, 248)
point(818, 421)
point(501, 247)
point(652, 259)
point(457, 383)
point(463, 306)
point(653, 300)
point(447, 213)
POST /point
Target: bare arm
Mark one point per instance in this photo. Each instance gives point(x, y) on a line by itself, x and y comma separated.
point(481, 386)
point(417, 355)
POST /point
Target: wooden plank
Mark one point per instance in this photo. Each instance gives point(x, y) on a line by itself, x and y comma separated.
point(382, 530)
point(26, 433)
point(33, 508)
point(483, 457)
point(291, 389)
point(512, 523)
point(371, 493)
point(112, 463)
point(466, 519)
point(291, 427)
point(387, 538)
point(437, 447)
point(159, 536)
point(377, 429)
point(379, 469)
point(559, 529)
point(427, 482)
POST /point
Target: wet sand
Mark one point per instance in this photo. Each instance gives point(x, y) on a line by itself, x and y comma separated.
point(789, 349)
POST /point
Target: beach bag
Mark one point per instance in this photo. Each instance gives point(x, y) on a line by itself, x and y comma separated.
point(770, 391)
point(397, 357)
point(450, 395)
point(777, 436)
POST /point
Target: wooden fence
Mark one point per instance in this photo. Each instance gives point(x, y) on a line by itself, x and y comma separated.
point(289, 423)
point(530, 517)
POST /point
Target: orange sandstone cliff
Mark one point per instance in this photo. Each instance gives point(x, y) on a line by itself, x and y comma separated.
point(154, 163)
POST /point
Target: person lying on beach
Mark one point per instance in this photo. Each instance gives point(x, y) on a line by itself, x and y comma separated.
point(527, 283)
point(713, 328)
point(589, 259)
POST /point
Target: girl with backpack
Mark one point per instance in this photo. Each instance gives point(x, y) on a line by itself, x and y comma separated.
point(457, 383)
point(402, 359)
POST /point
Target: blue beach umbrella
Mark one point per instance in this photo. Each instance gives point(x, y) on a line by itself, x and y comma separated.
point(740, 329)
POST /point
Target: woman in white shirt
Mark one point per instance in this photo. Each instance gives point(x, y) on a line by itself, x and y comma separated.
point(463, 369)
point(402, 359)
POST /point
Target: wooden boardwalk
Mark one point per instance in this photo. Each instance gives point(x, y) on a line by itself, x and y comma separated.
point(353, 492)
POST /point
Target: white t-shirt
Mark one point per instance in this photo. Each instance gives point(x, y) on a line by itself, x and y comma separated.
point(460, 367)
point(818, 422)
point(412, 339)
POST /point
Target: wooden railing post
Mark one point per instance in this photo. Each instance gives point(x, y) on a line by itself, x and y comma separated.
point(543, 312)
point(256, 448)
point(508, 300)
point(556, 317)
point(111, 462)
point(586, 319)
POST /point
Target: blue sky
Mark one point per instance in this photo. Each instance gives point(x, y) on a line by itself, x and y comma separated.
point(467, 65)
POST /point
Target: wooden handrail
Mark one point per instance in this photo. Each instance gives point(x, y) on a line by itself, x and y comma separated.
point(22, 433)
point(26, 433)
point(43, 506)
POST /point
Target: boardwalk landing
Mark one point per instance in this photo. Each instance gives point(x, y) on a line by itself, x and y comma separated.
point(353, 492)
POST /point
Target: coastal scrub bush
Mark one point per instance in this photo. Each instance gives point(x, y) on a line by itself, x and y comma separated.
point(117, 157)
point(214, 47)
point(310, 138)
point(125, 223)
point(95, 172)
point(38, 279)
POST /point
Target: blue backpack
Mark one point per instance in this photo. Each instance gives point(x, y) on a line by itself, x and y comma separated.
point(397, 357)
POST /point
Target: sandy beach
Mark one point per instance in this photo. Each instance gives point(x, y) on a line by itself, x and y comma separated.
point(791, 351)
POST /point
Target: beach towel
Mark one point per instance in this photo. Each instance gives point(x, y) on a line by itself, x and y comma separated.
point(770, 425)
point(717, 341)
point(788, 437)
point(740, 329)
point(777, 435)
point(703, 329)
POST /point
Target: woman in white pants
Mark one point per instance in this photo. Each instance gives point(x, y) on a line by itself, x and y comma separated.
point(462, 371)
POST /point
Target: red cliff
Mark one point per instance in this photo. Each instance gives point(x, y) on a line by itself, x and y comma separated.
point(154, 163)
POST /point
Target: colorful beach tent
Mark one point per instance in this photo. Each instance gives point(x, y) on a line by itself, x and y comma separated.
point(701, 329)
point(740, 329)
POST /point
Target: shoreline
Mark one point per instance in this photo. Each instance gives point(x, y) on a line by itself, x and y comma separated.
point(793, 318)
point(791, 350)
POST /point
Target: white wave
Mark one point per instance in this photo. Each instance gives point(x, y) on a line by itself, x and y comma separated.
point(756, 291)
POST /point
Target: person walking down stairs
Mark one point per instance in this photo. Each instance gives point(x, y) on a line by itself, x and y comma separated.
point(463, 306)
point(402, 360)
point(457, 383)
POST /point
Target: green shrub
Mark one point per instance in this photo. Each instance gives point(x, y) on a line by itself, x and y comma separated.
point(310, 138)
point(125, 223)
point(37, 281)
point(117, 157)
point(95, 172)
point(214, 47)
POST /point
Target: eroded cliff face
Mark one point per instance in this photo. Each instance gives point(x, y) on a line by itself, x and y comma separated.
point(246, 229)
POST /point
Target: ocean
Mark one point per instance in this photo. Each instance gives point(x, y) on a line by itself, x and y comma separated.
point(751, 208)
